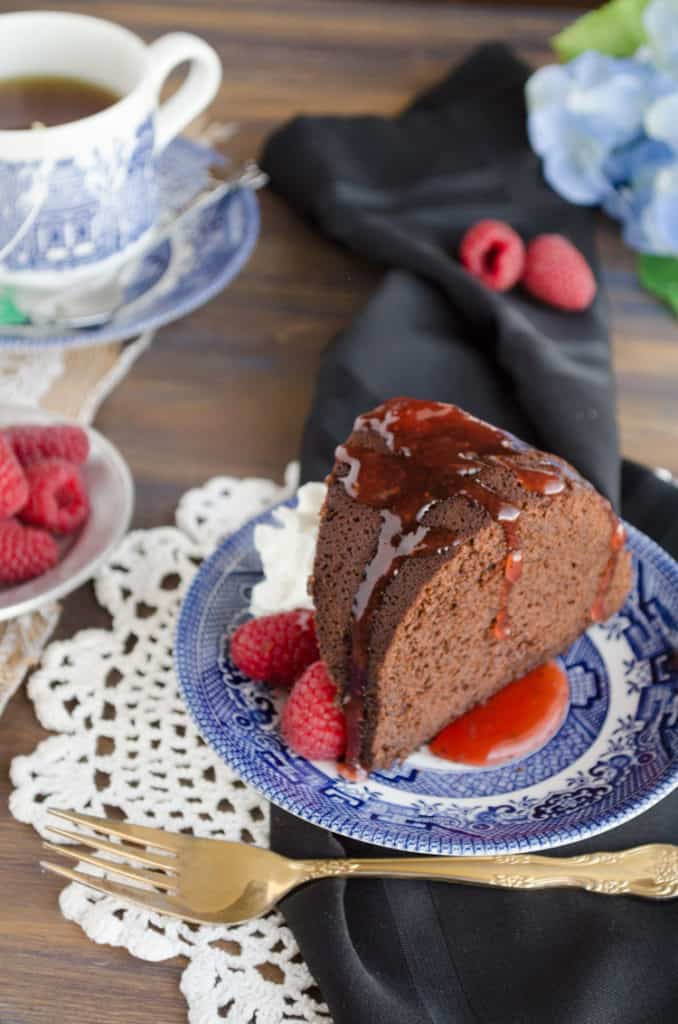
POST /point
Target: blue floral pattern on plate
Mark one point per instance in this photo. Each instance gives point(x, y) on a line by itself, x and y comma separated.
point(175, 277)
point(615, 754)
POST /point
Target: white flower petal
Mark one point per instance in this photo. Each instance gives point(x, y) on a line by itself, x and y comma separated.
point(660, 20)
point(546, 87)
point(661, 119)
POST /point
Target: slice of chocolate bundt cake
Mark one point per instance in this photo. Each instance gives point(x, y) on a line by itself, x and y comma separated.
point(451, 559)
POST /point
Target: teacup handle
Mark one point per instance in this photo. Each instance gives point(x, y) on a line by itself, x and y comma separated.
point(197, 91)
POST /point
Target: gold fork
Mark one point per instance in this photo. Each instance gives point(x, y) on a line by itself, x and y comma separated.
point(211, 881)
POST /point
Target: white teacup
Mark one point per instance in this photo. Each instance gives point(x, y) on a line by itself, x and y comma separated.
point(79, 199)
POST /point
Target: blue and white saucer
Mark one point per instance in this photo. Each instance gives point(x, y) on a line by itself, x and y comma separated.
point(179, 274)
point(615, 754)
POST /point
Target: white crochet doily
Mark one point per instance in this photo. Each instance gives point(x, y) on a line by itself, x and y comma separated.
point(124, 740)
point(26, 377)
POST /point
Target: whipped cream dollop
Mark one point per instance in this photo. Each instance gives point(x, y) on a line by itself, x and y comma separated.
point(287, 550)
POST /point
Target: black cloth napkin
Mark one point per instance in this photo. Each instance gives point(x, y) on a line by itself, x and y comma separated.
point(402, 191)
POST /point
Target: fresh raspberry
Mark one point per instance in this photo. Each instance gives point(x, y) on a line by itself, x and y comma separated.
point(13, 485)
point(57, 497)
point(25, 552)
point(312, 723)
point(494, 252)
point(557, 273)
point(33, 443)
point(276, 649)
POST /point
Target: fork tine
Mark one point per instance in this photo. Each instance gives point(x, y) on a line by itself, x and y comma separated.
point(140, 834)
point(156, 879)
point(148, 900)
point(133, 853)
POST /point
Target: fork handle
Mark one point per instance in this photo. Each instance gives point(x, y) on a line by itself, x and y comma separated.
point(650, 871)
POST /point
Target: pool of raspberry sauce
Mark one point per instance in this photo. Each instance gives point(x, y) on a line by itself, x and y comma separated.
point(518, 720)
point(514, 723)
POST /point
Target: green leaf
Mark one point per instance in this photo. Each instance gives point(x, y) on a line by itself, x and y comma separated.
point(659, 275)
point(9, 312)
point(616, 29)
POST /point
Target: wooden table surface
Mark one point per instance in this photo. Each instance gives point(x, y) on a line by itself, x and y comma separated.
point(226, 390)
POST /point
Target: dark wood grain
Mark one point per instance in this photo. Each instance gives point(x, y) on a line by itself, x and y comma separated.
point(226, 389)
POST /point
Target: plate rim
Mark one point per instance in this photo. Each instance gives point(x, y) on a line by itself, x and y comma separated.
point(203, 585)
point(88, 571)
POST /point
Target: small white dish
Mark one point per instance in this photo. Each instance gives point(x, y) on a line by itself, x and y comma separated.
point(111, 492)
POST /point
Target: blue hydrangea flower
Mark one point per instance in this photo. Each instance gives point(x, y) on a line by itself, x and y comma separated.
point(580, 112)
point(607, 132)
point(633, 171)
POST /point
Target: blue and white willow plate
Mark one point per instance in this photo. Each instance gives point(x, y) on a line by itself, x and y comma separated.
point(179, 274)
point(615, 754)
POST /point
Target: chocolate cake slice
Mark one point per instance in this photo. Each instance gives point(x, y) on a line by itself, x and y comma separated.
point(451, 559)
